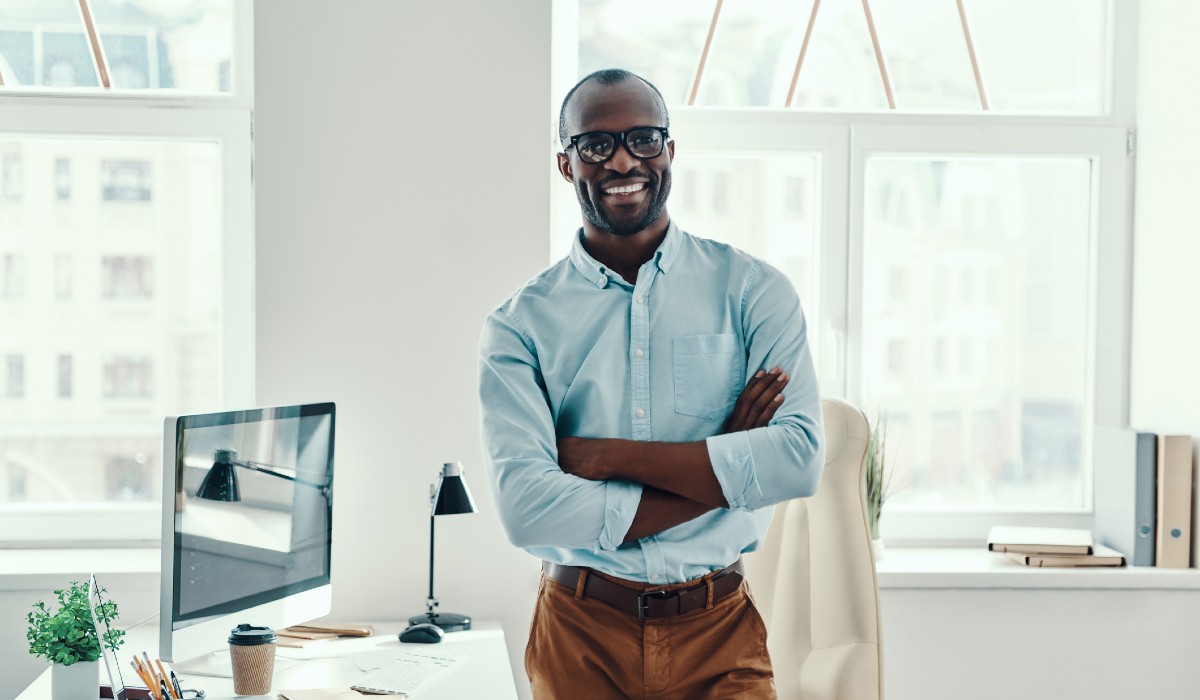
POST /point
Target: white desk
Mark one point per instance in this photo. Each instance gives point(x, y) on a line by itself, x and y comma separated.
point(485, 674)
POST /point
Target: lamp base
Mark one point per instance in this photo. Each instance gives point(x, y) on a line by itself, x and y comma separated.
point(449, 622)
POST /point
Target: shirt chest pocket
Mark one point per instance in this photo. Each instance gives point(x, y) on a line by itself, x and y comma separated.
point(708, 374)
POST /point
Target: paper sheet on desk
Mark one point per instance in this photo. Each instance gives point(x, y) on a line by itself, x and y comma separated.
point(321, 694)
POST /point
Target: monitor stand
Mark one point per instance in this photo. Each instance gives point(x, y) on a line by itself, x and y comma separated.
point(218, 665)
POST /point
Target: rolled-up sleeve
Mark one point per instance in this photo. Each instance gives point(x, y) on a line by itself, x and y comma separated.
point(784, 460)
point(539, 504)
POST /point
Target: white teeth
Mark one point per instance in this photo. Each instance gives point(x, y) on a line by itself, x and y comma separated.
point(626, 189)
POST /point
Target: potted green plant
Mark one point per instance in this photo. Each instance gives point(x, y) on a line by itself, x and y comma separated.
point(879, 482)
point(67, 638)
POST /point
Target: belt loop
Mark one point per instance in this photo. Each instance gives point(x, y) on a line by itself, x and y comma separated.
point(709, 584)
point(583, 574)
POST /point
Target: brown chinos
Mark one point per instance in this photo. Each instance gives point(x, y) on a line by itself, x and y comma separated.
point(583, 648)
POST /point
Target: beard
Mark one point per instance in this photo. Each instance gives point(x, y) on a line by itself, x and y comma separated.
point(659, 188)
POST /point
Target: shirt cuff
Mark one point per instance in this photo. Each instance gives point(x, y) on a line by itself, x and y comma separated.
point(733, 464)
point(621, 499)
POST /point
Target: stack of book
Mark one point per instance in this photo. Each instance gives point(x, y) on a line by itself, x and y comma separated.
point(305, 635)
point(1143, 486)
point(1052, 547)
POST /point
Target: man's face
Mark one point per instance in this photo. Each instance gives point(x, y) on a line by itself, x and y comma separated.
point(624, 194)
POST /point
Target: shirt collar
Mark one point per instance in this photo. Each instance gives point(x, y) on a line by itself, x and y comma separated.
point(597, 273)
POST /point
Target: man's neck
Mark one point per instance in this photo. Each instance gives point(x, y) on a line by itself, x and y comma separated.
point(625, 254)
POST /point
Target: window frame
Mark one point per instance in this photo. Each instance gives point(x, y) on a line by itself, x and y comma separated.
point(151, 115)
point(1107, 139)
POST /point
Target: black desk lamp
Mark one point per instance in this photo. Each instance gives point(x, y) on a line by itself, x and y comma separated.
point(449, 496)
point(221, 482)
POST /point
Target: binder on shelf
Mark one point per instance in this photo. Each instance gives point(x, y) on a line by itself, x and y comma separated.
point(1173, 549)
point(1125, 496)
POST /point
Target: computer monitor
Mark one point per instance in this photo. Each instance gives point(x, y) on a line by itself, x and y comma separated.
point(247, 525)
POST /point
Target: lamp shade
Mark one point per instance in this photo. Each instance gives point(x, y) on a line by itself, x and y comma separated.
point(221, 482)
point(452, 496)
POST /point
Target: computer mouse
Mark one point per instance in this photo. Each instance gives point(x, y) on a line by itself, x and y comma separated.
point(423, 633)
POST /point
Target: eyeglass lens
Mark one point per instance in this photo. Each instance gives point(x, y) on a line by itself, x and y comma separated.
point(598, 146)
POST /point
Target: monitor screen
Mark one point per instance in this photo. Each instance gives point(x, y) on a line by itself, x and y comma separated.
point(253, 509)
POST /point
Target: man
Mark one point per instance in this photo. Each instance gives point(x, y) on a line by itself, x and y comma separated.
point(635, 425)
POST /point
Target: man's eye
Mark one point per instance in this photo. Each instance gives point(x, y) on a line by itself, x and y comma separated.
point(594, 149)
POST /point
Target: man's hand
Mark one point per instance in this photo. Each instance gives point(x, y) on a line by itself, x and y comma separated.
point(758, 402)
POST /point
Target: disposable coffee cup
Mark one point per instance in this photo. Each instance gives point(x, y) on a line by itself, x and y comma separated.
point(252, 651)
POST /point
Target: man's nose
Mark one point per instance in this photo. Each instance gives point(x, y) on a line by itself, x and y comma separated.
point(622, 161)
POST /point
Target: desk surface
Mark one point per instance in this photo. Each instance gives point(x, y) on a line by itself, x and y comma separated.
point(485, 673)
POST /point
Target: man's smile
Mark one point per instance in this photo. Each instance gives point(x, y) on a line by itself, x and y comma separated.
point(625, 189)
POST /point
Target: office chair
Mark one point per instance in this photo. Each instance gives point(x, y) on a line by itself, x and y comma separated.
point(813, 579)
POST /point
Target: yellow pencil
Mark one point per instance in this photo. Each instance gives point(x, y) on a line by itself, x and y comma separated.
point(166, 679)
point(137, 667)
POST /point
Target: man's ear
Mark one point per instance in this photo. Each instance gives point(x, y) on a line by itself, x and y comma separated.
point(671, 148)
point(564, 167)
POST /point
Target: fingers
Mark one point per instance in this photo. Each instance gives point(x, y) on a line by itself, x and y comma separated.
point(763, 406)
point(758, 401)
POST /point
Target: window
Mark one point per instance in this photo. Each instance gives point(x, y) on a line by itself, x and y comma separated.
point(125, 180)
point(954, 240)
point(125, 252)
point(12, 177)
point(66, 376)
point(14, 376)
point(12, 277)
point(127, 277)
point(64, 280)
point(128, 377)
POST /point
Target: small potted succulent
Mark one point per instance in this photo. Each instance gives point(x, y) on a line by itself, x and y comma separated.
point(68, 639)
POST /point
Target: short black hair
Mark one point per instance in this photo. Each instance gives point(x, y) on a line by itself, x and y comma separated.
point(608, 76)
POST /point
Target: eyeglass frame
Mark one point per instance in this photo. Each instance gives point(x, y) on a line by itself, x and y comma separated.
point(619, 138)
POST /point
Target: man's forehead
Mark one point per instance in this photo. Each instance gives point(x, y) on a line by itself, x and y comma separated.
point(599, 107)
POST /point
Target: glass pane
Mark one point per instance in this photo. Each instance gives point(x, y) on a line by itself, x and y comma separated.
point(660, 40)
point(1035, 56)
point(110, 264)
point(975, 307)
point(1043, 56)
point(766, 206)
point(150, 44)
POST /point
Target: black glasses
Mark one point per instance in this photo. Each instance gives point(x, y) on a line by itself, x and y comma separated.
point(642, 142)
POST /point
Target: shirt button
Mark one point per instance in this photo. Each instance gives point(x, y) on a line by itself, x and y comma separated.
point(640, 413)
point(639, 299)
point(638, 353)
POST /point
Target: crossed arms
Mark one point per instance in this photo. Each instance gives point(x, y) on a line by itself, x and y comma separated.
point(677, 478)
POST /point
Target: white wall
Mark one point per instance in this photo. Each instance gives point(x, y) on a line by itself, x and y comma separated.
point(400, 193)
point(1165, 377)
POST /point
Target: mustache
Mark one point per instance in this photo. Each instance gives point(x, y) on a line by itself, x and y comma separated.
point(616, 179)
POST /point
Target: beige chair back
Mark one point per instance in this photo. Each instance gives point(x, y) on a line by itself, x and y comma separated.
point(813, 579)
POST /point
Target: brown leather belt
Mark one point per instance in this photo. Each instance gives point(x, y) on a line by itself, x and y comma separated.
point(649, 604)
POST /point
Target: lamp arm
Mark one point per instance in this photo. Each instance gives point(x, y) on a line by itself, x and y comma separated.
point(270, 469)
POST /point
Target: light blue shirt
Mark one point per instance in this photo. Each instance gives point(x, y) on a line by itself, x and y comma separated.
point(578, 351)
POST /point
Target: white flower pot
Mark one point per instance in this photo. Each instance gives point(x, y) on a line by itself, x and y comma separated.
point(877, 549)
point(79, 680)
